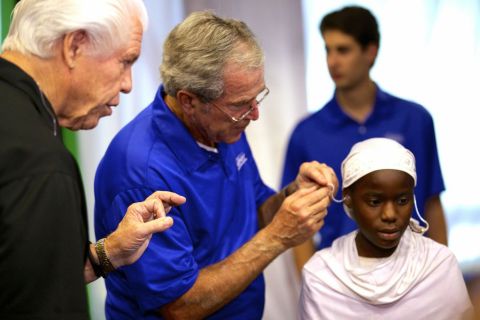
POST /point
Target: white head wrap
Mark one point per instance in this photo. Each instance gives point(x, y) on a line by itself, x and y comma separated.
point(376, 154)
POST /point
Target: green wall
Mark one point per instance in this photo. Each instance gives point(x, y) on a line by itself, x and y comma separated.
point(6, 7)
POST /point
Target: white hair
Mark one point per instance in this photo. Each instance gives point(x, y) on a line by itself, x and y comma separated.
point(37, 25)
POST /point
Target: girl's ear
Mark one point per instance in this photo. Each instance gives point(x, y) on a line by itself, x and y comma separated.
point(347, 199)
point(347, 203)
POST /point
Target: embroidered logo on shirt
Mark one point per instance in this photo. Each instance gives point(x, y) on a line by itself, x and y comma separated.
point(240, 160)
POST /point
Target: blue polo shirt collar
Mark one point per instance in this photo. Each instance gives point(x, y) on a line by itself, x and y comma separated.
point(380, 109)
point(191, 156)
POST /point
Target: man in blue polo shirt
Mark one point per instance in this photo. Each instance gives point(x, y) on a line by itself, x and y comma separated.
point(191, 140)
point(360, 110)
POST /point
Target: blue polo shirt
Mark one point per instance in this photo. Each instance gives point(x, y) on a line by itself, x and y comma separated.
point(328, 135)
point(223, 190)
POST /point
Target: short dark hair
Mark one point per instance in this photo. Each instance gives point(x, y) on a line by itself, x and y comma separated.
point(355, 21)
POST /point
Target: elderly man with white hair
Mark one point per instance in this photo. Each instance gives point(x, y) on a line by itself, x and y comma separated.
point(64, 64)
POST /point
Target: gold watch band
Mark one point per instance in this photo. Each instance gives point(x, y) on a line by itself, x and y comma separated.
point(105, 263)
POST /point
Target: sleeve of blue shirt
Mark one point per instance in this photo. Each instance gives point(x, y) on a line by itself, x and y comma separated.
point(166, 270)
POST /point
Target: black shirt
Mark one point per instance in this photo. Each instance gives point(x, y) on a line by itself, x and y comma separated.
point(43, 230)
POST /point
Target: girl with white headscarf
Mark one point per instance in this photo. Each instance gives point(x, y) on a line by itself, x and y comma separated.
point(386, 269)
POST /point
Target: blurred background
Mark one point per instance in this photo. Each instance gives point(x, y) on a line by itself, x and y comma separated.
point(429, 53)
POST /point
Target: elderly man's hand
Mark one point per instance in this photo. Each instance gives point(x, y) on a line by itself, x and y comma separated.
point(315, 173)
point(300, 216)
point(126, 244)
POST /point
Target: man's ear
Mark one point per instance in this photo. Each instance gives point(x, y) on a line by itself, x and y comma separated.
point(372, 51)
point(74, 45)
point(186, 101)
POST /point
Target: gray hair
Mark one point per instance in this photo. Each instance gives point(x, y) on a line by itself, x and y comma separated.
point(38, 25)
point(197, 50)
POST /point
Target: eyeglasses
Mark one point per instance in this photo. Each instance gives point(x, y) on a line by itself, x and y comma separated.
point(251, 106)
